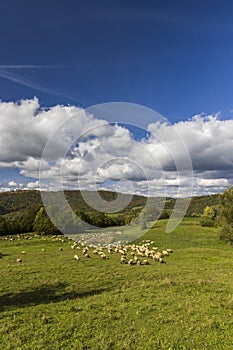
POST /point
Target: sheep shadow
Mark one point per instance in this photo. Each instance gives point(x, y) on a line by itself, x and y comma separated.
point(44, 295)
point(3, 254)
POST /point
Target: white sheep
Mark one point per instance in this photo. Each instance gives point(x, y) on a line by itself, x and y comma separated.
point(157, 256)
point(123, 260)
point(104, 256)
point(131, 262)
point(85, 250)
point(145, 262)
point(165, 253)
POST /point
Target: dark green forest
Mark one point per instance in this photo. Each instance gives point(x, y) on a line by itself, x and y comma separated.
point(22, 211)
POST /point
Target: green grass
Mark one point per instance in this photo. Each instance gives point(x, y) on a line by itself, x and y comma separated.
point(51, 301)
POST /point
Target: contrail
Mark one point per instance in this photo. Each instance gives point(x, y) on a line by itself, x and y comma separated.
point(73, 66)
point(6, 74)
point(20, 80)
point(29, 66)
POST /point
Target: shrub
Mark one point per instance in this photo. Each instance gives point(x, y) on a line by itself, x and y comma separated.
point(226, 234)
point(43, 225)
point(206, 222)
point(225, 217)
point(3, 226)
point(164, 215)
point(208, 216)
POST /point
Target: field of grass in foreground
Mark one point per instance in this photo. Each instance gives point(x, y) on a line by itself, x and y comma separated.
point(51, 301)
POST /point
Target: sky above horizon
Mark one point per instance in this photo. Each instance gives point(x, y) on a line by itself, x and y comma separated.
point(172, 57)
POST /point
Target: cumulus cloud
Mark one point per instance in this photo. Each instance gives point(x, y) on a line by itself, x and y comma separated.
point(208, 139)
point(33, 185)
point(25, 129)
point(4, 189)
point(12, 184)
point(89, 152)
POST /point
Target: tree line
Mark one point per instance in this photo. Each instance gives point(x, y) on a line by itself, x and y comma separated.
point(34, 217)
point(221, 216)
point(39, 221)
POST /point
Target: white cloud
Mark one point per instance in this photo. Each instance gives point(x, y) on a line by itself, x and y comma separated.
point(25, 130)
point(5, 189)
point(109, 152)
point(33, 185)
point(12, 184)
point(208, 140)
point(213, 182)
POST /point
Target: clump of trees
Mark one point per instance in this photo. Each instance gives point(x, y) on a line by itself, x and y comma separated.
point(100, 219)
point(17, 222)
point(43, 225)
point(164, 215)
point(38, 220)
point(225, 216)
point(208, 218)
point(3, 226)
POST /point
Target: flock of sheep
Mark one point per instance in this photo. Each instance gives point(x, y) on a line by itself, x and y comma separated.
point(131, 254)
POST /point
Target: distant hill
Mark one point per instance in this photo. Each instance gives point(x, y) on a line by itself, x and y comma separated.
point(15, 201)
point(19, 210)
point(18, 201)
point(198, 204)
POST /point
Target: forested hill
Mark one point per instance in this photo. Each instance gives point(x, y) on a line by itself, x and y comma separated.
point(198, 204)
point(15, 201)
point(18, 201)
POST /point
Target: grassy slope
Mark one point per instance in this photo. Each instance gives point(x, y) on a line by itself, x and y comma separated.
point(51, 301)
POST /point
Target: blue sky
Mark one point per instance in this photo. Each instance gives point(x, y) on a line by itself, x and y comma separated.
point(175, 57)
point(172, 56)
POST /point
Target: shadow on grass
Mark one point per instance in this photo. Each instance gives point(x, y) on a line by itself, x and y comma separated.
point(44, 295)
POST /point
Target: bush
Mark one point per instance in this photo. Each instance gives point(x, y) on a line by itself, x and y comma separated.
point(206, 222)
point(164, 215)
point(226, 234)
point(208, 217)
point(3, 226)
point(225, 218)
point(195, 215)
point(43, 225)
point(19, 222)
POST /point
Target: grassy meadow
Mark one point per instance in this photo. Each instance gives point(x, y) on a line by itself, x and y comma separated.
point(51, 301)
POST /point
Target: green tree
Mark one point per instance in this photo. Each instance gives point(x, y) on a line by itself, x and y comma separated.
point(3, 226)
point(43, 225)
point(142, 220)
point(19, 222)
point(210, 212)
point(164, 215)
point(225, 216)
point(65, 220)
point(81, 220)
point(208, 217)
